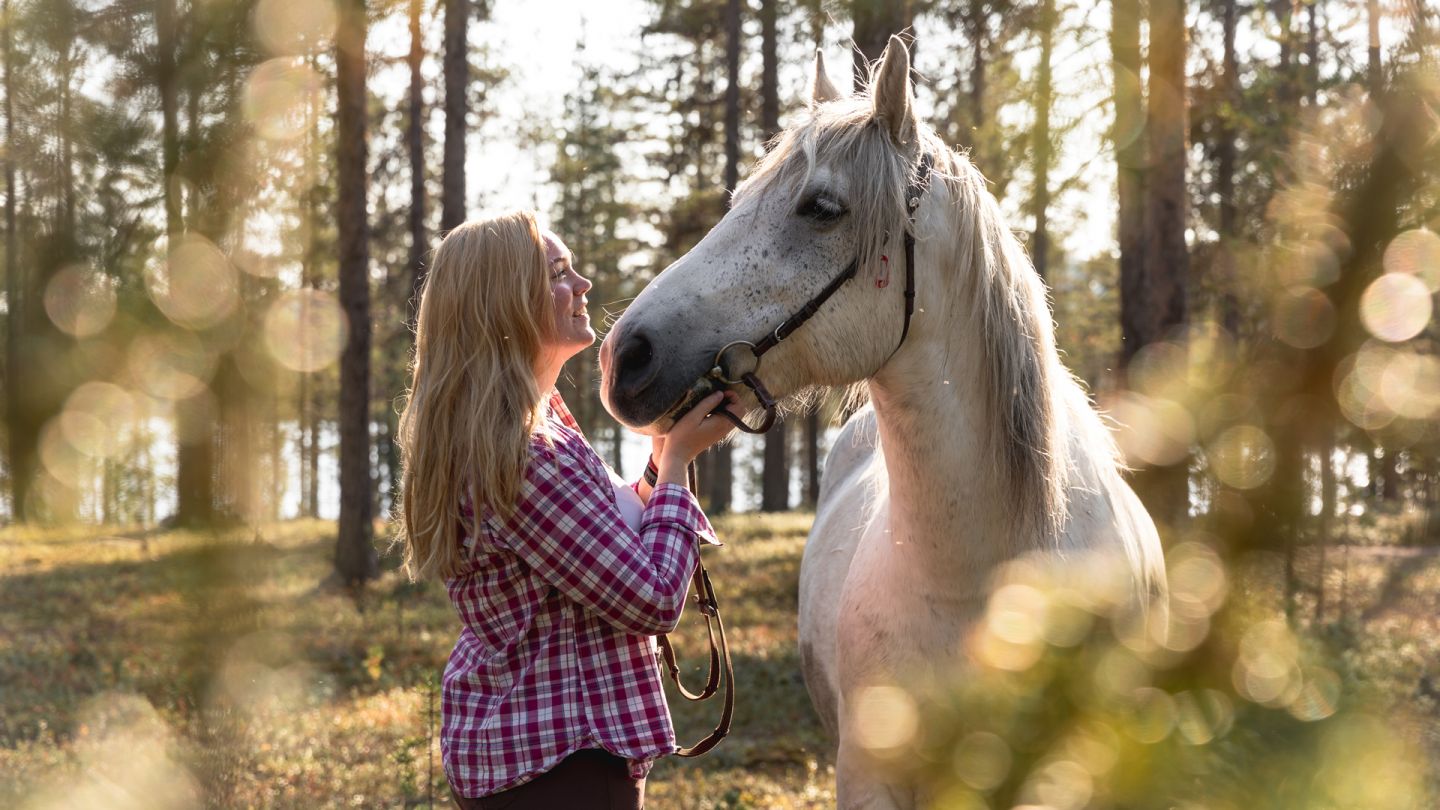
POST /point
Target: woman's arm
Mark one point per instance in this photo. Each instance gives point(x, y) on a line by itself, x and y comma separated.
point(572, 534)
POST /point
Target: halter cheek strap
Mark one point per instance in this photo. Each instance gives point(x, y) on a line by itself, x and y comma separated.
point(719, 376)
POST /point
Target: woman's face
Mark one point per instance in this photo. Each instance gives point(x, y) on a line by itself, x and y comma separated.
point(567, 288)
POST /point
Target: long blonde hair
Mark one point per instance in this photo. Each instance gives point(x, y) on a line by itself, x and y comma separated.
point(474, 401)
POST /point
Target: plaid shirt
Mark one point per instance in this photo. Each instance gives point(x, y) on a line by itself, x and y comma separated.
point(560, 606)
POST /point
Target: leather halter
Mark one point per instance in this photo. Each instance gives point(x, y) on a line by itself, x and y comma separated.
point(717, 377)
point(720, 377)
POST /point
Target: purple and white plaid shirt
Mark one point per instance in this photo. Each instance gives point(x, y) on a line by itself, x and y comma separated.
point(560, 605)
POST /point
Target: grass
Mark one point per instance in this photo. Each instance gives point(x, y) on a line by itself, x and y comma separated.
point(171, 669)
point(246, 684)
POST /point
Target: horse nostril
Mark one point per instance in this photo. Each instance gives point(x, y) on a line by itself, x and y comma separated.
point(634, 361)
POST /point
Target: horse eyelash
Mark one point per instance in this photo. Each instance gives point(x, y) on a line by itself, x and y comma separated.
point(821, 207)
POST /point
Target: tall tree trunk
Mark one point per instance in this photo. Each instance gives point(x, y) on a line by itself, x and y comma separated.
point(20, 456)
point(1312, 52)
point(309, 213)
point(874, 23)
point(812, 458)
point(194, 456)
point(1130, 161)
point(1326, 518)
point(415, 143)
point(769, 72)
point(1167, 264)
point(1168, 257)
point(978, 21)
point(355, 559)
point(1225, 175)
point(1375, 74)
point(1285, 20)
point(457, 81)
point(1040, 249)
point(775, 475)
point(722, 472)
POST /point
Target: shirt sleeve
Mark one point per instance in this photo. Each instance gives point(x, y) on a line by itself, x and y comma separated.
point(573, 536)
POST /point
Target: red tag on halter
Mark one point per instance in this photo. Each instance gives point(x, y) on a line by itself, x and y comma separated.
point(884, 280)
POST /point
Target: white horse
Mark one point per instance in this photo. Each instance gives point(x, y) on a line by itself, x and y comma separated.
point(979, 448)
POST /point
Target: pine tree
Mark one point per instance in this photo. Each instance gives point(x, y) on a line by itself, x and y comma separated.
point(355, 560)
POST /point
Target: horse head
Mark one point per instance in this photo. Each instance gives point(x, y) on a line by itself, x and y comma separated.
point(828, 197)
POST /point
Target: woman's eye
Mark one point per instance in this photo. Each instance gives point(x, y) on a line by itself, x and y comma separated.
point(821, 208)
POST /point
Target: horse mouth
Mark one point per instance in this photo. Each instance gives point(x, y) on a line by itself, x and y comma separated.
point(632, 402)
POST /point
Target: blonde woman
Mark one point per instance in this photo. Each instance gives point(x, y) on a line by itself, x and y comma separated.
point(552, 696)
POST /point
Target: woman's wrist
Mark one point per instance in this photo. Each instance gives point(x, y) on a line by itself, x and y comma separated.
point(652, 472)
point(670, 469)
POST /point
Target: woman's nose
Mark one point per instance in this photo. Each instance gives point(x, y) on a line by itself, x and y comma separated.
point(583, 286)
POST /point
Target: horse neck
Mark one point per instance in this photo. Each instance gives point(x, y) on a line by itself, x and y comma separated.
point(951, 499)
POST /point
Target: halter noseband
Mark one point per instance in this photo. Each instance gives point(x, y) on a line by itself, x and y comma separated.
point(721, 373)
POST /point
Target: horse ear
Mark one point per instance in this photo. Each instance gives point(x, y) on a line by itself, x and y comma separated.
point(890, 94)
point(824, 88)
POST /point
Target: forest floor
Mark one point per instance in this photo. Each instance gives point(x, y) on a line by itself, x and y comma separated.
point(168, 669)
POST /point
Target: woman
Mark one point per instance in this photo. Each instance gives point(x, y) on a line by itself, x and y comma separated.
point(552, 696)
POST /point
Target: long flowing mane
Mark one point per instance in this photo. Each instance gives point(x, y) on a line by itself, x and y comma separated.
point(1007, 299)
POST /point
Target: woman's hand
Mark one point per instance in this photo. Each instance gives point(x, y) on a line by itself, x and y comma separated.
point(692, 434)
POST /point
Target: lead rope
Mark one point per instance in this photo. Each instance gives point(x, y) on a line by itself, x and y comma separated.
point(719, 653)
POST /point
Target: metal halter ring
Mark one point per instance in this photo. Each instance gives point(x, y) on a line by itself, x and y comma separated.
point(719, 370)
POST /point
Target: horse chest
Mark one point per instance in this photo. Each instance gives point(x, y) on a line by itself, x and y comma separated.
point(895, 616)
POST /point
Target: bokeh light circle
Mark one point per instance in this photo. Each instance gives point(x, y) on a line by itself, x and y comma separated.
point(1243, 456)
point(80, 301)
point(170, 366)
point(1416, 253)
point(305, 330)
point(94, 416)
point(1395, 307)
point(886, 718)
point(1152, 431)
point(278, 96)
point(196, 286)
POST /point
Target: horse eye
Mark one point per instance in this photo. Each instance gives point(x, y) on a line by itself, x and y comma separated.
point(821, 208)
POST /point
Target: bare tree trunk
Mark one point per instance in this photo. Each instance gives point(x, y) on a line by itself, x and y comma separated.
point(1225, 177)
point(1375, 73)
point(355, 559)
point(1130, 159)
point(722, 472)
point(194, 429)
point(457, 81)
point(1312, 52)
point(1040, 249)
point(812, 458)
point(874, 23)
point(978, 21)
point(769, 72)
point(19, 461)
point(307, 437)
point(775, 476)
point(415, 143)
point(1327, 514)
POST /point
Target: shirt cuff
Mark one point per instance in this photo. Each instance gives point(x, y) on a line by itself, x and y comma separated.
point(675, 505)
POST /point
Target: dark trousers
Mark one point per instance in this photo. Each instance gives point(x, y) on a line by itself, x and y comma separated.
point(590, 779)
